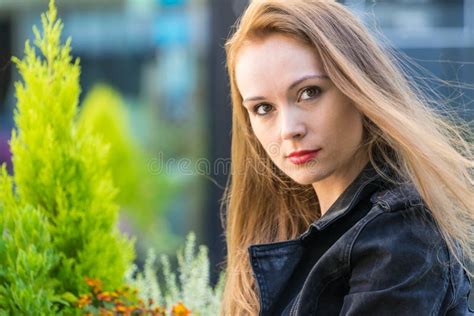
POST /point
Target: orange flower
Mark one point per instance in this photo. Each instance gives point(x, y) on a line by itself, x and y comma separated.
point(104, 312)
point(159, 311)
point(93, 282)
point(121, 308)
point(84, 300)
point(180, 310)
point(104, 296)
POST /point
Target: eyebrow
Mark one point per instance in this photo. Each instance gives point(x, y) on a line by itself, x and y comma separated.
point(292, 86)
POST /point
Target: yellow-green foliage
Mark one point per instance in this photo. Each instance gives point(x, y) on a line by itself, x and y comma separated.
point(142, 194)
point(61, 178)
point(27, 257)
point(104, 114)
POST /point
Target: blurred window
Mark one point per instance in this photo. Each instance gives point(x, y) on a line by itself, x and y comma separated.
point(420, 23)
point(409, 14)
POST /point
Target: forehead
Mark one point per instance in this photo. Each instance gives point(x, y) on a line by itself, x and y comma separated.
point(275, 60)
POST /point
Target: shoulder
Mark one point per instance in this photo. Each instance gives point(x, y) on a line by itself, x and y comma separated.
point(402, 211)
point(399, 246)
point(400, 262)
point(400, 223)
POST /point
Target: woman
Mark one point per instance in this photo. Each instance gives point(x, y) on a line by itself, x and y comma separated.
point(349, 194)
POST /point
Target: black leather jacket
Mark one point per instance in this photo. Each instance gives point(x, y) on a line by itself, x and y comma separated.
point(376, 251)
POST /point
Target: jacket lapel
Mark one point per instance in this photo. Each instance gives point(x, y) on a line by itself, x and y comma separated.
point(273, 264)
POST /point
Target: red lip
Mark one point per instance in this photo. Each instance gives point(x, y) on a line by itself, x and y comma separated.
point(302, 153)
point(302, 156)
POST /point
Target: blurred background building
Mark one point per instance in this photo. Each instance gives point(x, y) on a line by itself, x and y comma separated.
point(166, 61)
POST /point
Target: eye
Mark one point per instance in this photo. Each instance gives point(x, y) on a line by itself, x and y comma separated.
point(262, 109)
point(309, 93)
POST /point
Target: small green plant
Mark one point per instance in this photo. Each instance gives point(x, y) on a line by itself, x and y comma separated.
point(191, 285)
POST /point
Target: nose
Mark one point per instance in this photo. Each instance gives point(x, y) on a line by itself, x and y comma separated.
point(292, 124)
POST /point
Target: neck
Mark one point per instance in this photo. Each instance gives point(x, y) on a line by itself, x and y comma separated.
point(330, 188)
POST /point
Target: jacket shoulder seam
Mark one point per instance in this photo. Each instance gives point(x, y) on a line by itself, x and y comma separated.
point(380, 209)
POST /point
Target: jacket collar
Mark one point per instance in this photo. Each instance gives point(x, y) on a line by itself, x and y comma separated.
point(364, 185)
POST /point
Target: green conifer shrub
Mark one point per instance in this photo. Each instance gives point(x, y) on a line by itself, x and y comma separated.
point(57, 212)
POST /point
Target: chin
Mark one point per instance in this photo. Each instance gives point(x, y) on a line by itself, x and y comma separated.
point(305, 177)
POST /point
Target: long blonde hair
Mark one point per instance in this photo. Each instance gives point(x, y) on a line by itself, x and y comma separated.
point(263, 205)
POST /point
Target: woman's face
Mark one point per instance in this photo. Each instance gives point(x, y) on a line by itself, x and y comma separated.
point(293, 106)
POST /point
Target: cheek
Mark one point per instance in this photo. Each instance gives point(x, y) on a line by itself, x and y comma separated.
point(350, 136)
point(266, 137)
point(343, 128)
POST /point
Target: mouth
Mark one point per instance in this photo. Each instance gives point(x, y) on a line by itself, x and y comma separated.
point(303, 156)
